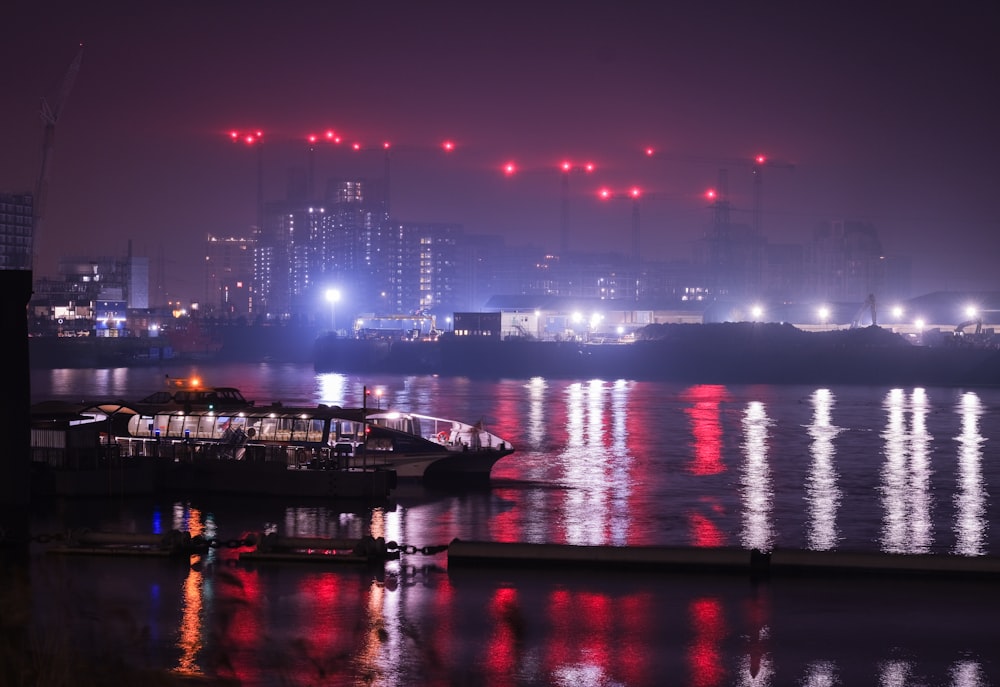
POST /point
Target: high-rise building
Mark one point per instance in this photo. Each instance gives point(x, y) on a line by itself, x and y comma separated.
point(229, 266)
point(845, 261)
point(16, 228)
point(425, 271)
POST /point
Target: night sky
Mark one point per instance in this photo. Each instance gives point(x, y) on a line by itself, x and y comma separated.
point(888, 116)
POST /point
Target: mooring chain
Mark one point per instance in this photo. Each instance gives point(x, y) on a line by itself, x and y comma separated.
point(366, 545)
point(393, 547)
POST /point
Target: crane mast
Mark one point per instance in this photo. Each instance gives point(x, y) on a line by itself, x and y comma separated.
point(50, 116)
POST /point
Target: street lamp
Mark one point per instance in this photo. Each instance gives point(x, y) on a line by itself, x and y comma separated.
point(332, 297)
point(824, 315)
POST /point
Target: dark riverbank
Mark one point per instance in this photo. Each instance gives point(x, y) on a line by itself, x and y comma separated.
point(723, 353)
point(290, 343)
point(730, 353)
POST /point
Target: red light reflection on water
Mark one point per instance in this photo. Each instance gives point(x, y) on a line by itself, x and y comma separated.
point(506, 526)
point(706, 426)
point(237, 630)
point(588, 641)
point(705, 415)
point(324, 592)
point(704, 532)
point(508, 626)
point(705, 651)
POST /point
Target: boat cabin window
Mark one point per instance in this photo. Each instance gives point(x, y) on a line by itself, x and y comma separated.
point(402, 423)
point(159, 398)
point(293, 429)
point(346, 430)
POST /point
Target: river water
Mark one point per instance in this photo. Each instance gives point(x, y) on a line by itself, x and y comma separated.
point(902, 470)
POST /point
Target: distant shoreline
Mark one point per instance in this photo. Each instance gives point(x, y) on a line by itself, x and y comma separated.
point(724, 353)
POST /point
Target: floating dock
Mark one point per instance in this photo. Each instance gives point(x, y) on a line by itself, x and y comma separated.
point(168, 545)
point(752, 563)
point(274, 548)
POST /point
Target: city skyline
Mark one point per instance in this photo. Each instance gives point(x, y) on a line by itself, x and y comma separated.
point(880, 117)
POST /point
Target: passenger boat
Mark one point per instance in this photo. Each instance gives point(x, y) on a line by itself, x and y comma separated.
point(213, 439)
point(188, 393)
point(411, 445)
point(73, 454)
point(93, 449)
point(432, 448)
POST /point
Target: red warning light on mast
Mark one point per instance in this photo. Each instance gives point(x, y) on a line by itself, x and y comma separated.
point(248, 137)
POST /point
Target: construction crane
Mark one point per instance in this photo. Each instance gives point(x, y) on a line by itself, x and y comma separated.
point(50, 113)
point(757, 169)
point(756, 163)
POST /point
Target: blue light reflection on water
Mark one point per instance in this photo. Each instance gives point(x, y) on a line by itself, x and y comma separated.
point(605, 462)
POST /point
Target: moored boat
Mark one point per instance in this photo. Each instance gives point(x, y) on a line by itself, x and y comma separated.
point(77, 448)
point(213, 439)
point(188, 393)
point(433, 448)
point(324, 437)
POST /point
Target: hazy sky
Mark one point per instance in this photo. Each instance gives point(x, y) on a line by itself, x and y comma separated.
point(889, 116)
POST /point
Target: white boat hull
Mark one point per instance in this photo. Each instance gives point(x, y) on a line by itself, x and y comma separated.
point(464, 465)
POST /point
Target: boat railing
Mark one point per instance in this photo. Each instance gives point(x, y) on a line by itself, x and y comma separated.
point(301, 457)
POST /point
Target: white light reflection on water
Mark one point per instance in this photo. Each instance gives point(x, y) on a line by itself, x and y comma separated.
point(821, 483)
point(755, 675)
point(821, 674)
point(537, 391)
point(620, 469)
point(756, 491)
point(583, 464)
point(907, 525)
point(968, 674)
point(894, 673)
point(971, 524)
point(332, 389)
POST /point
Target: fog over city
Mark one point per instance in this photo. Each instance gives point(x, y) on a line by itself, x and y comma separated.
point(884, 116)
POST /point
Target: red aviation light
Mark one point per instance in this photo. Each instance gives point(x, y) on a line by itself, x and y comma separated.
point(356, 146)
point(604, 194)
point(650, 152)
point(635, 192)
point(332, 136)
point(760, 159)
point(588, 167)
point(248, 137)
point(448, 146)
point(510, 169)
point(566, 166)
point(710, 194)
point(386, 145)
point(312, 138)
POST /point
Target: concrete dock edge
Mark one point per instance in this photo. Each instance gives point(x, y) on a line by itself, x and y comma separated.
point(753, 563)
